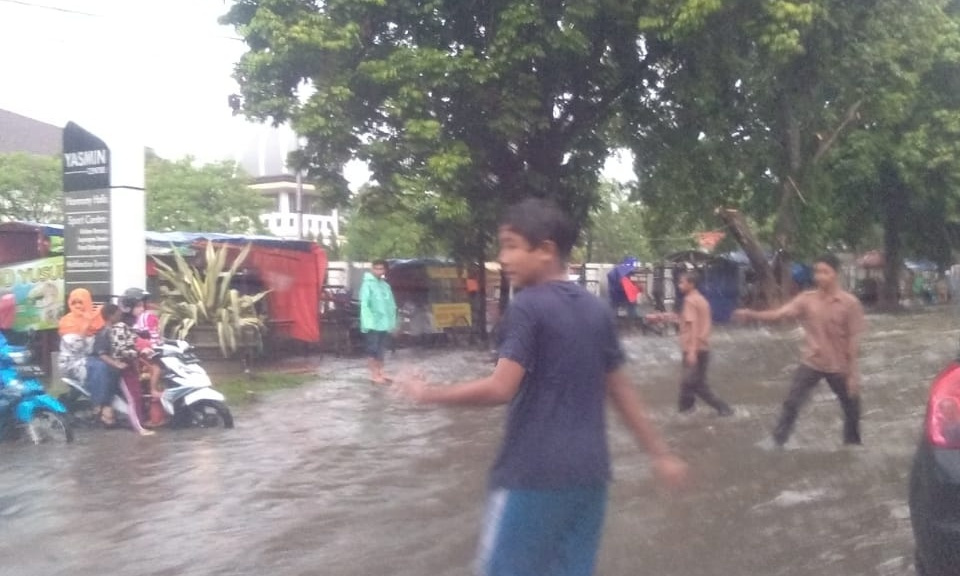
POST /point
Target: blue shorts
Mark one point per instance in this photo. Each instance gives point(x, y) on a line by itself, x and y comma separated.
point(377, 343)
point(539, 532)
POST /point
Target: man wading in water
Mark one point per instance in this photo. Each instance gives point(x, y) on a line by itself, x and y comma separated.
point(832, 321)
point(560, 360)
point(695, 325)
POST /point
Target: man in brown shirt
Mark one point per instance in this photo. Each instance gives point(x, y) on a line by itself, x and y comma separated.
point(695, 325)
point(832, 321)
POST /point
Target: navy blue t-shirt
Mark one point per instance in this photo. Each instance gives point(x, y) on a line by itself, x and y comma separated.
point(565, 339)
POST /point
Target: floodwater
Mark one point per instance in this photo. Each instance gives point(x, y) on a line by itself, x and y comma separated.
point(341, 478)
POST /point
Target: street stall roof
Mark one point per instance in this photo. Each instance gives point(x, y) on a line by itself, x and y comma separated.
point(920, 265)
point(188, 238)
point(48, 229)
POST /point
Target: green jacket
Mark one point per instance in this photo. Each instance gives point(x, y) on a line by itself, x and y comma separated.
point(378, 311)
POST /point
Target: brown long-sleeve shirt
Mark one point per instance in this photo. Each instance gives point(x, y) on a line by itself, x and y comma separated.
point(831, 323)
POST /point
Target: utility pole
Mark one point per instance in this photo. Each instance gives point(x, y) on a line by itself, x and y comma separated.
point(299, 203)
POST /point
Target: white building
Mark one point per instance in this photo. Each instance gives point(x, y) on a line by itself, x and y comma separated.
point(264, 157)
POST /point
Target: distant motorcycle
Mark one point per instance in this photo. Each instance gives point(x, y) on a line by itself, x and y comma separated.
point(188, 396)
point(26, 410)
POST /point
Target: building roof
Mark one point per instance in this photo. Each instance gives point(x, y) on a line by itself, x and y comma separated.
point(264, 149)
point(22, 134)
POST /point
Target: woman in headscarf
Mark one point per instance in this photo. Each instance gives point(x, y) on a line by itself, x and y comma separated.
point(77, 329)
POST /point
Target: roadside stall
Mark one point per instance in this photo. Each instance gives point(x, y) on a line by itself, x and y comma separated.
point(31, 274)
point(292, 270)
point(720, 280)
point(433, 300)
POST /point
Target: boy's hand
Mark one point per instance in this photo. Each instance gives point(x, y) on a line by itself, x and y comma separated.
point(412, 385)
point(741, 315)
point(690, 358)
point(670, 471)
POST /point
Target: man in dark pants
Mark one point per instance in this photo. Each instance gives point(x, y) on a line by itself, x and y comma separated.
point(832, 321)
point(695, 325)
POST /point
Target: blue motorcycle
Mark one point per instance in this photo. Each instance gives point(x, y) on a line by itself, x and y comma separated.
point(26, 410)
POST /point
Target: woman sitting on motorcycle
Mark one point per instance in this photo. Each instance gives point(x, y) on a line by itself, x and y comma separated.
point(123, 352)
point(146, 326)
point(103, 370)
point(77, 329)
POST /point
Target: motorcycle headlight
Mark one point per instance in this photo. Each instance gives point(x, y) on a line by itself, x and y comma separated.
point(19, 356)
point(14, 387)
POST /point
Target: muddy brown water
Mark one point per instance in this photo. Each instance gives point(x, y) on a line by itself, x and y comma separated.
point(339, 478)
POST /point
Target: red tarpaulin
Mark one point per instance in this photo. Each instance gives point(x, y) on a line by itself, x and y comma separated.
point(295, 281)
point(294, 277)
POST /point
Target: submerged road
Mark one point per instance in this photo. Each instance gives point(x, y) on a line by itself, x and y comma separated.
point(339, 478)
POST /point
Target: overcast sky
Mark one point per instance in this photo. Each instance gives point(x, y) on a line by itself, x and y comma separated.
point(159, 69)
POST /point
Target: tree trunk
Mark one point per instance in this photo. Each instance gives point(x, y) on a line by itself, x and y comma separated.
point(785, 229)
point(895, 206)
point(766, 281)
point(481, 296)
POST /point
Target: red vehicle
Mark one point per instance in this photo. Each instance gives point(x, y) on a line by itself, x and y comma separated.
point(935, 480)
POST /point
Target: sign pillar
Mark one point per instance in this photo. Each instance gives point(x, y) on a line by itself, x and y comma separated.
point(104, 216)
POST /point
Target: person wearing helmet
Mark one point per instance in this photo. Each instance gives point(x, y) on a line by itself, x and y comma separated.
point(146, 325)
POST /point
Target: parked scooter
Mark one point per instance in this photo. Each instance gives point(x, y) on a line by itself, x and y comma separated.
point(188, 396)
point(26, 410)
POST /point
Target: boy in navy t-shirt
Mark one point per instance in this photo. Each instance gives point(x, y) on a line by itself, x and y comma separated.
point(559, 360)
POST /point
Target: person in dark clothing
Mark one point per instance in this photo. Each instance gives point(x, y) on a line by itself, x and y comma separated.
point(103, 370)
point(560, 361)
point(695, 327)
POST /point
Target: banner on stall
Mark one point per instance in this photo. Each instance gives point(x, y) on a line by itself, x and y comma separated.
point(37, 286)
point(453, 315)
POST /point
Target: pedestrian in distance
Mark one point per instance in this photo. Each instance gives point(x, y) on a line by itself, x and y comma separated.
point(833, 323)
point(378, 318)
point(559, 361)
point(695, 327)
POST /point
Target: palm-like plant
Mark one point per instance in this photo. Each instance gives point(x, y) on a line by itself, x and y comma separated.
point(191, 298)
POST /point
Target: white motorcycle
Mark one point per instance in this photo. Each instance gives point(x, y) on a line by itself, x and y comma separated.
point(188, 396)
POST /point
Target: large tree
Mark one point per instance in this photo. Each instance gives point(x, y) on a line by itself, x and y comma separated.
point(378, 230)
point(616, 227)
point(756, 94)
point(31, 188)
point(903, 170)
point(207, 198)
point(458, 106)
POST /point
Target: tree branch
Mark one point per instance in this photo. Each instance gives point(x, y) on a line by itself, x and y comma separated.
point(849, 117)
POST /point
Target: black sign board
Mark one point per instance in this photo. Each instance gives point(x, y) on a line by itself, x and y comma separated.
point(86, 160)
point(86, 212)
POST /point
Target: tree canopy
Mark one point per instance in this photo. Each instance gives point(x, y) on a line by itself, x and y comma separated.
point(209, 198)
point(797, 113)
point(458, 107)
point(31, 188)
point(757, 95)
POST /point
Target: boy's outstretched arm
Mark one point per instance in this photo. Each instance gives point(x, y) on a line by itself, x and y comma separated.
point(669, 469)
point(788, 311)
point(498, 388)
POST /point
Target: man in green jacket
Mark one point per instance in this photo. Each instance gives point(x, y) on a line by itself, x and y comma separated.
point(378, 318)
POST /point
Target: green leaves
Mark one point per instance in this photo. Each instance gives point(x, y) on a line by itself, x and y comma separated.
point(191, 298)
point(208, 198)
point(31, 188)
point(460, 108)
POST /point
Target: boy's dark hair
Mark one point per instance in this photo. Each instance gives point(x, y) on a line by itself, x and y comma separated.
point(691, 276)
point(108, 310)
point(380, 263)
point(539, 220)
point(830, 260)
